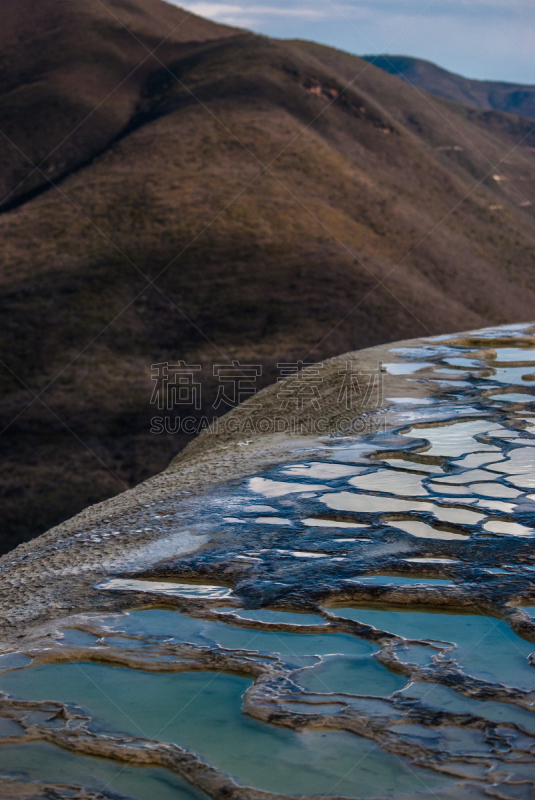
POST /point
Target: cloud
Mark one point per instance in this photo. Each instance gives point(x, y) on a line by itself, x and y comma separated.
point(312, 9)
point(434, 8)
point(487, 39)
point(223, 11)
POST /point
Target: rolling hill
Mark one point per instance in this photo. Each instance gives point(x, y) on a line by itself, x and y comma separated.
point(515, 98)
point(217, 196)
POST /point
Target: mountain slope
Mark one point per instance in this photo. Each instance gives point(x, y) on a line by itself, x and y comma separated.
point(515, 98)
point(265, 201)
point(71, 76)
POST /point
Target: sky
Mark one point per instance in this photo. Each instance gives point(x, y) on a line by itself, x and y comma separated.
point(485, 39)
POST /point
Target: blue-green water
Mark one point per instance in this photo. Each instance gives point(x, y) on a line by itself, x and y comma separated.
point(486, 648)
point(202, 712)
point(49, 764)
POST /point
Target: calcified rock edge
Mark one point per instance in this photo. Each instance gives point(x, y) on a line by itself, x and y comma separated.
point(413, 514)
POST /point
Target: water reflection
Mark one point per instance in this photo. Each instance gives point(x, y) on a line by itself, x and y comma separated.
point(339, 665)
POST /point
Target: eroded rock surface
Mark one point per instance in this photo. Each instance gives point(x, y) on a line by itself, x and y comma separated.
point(297, 615)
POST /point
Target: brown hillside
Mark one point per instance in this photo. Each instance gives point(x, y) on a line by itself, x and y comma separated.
point(287, 200)
point(71, 76)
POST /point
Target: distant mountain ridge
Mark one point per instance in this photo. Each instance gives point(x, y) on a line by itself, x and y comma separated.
point(515, 98)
